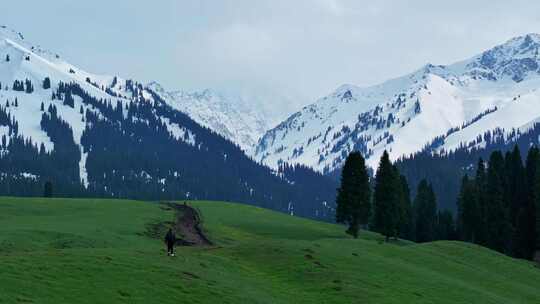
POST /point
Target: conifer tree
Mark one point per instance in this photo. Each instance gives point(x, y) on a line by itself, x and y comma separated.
point(481, 201)
point(29, 87)
point(532, 237)
point(515, 182)
point(354, 195)
point(470, 217)
point(498, 221)
point(46, 83)
point(387, 198)
point(42, 150)
point(406, 227)
point(426, 212)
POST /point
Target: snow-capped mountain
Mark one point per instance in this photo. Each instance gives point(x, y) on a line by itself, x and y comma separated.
point(105, 136)
point(436, 107)
point(230, 116)
point(23, 62)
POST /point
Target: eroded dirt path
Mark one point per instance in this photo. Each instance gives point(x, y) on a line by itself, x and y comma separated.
point(188, 226)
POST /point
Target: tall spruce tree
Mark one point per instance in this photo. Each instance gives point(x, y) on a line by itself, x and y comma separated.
point(387, 198)
point(354, 195)
point(406, 227)
point(470, 217)
point(425, 205)
point(480, 189)
point(498, 219)
point(515, 182)
point(532, 237)
point(515, 200)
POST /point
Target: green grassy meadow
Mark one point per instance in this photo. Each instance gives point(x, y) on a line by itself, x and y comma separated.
point(108, 251)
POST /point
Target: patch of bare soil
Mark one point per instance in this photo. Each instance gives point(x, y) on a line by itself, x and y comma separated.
point(188, 226)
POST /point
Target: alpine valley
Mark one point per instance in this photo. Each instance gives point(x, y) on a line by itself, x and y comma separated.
point(104, 136)
point(435, 122)
point(99, 135)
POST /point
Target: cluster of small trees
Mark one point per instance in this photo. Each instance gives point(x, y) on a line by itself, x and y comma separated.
point(23, 86)
point(388, 208)
point(500, 207)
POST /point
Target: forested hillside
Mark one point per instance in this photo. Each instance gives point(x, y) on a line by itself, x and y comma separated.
point(102, 136)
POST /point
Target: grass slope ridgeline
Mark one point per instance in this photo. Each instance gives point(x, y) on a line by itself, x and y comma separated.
point(110, 251)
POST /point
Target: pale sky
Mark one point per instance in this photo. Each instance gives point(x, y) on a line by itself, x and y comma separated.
point(293, 50)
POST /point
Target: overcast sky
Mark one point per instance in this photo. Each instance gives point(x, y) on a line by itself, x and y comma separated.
point(301, 49)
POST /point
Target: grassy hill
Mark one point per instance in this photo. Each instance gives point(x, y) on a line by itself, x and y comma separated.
point(102, 251)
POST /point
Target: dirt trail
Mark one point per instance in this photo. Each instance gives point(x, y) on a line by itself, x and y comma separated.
point(187, 226)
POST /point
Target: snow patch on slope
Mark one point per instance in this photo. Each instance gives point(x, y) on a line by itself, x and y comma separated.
point(229, 116)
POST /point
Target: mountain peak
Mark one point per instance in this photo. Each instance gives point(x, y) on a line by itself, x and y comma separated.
point(515, 59)
point(525, 40)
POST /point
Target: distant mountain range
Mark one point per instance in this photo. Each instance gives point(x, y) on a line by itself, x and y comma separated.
point(438, 107)
point(103, 135)
point(100, 135)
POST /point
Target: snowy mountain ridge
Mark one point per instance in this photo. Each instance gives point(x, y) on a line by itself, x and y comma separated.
point(20, 61)
point(437, 107)
point(229, 116)
point(83, 134)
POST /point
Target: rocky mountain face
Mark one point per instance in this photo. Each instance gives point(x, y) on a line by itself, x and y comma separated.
point(230, 116)
point(438, 107)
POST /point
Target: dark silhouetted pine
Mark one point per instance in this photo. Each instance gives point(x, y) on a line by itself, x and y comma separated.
point(29, 87)
point(46, 83)
point(481, 197)
point(529, 221)
point(425, 205)
point(498, 228)
point(516, 202)
point(354, 195)
point(469, 216)
point(406, 226)
point(515, 183)
point(387, 199)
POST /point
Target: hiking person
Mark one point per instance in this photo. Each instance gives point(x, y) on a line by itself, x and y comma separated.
point(170, 239)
